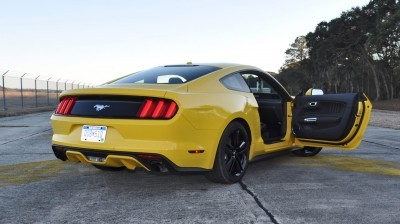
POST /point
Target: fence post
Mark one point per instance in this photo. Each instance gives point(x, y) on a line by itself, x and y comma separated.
point(72, 84)
point(48, 99)
point(36, 91)
point(22, 95)
point(4, 90)
point(57, 88)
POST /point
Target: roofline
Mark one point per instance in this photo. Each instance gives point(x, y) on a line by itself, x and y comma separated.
point(218, 65)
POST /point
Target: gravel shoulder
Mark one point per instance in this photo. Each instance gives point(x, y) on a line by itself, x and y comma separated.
point(385, 119)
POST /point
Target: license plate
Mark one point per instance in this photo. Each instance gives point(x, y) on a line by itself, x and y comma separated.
point(93, 133)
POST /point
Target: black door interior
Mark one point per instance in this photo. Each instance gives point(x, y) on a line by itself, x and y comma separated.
point(325, 117)
point(271, 109)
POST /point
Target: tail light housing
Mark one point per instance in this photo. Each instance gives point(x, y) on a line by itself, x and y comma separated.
point(66, 105)
point(157, 109)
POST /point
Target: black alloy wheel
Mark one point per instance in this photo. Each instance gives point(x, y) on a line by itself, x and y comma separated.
point(307, 151)
point(232, 156)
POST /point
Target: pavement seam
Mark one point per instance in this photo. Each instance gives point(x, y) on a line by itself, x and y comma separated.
point(380, 144)
point(257, 200)
point(17, 126)
point(25, 137)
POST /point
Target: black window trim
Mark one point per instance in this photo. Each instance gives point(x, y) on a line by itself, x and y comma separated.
point(270, 80)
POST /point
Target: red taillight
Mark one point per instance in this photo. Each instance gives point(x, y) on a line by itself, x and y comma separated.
point(157, 109)
point(171, 110)
point(146, 109)
point(160, 108)
point(66, 105)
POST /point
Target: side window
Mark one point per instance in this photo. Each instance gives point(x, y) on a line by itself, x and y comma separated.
point(235, 82)
point(260, 86)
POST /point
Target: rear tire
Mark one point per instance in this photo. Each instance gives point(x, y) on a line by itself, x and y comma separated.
point(307, 151)
point(108, 168)
point(232, 155)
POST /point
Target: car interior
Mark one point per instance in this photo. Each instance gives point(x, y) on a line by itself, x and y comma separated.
point(271, 106)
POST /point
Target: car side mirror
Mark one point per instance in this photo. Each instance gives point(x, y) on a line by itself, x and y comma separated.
point(314, 92)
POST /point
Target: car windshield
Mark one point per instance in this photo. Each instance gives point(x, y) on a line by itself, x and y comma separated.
point(170, 74)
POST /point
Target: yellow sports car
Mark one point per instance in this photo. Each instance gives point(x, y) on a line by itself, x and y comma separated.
point(201, 117)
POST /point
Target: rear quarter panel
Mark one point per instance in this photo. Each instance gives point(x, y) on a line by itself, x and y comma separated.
point(210, 105)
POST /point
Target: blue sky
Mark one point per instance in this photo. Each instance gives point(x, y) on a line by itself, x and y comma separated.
point(98, 40)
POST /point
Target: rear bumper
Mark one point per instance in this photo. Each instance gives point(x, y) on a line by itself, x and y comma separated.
point(150, 162)
point(170, 139)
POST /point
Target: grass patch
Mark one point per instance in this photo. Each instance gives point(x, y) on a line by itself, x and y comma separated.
point(393, 105)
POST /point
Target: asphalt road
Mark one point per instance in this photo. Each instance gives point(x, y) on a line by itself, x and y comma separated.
point(360, 186)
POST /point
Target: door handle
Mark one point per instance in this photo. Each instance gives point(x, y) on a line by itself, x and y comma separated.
point(310, 119)
point(313, 104)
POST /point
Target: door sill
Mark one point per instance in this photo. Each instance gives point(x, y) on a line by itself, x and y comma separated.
point(273, 141)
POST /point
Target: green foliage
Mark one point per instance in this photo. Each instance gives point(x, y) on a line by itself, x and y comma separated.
point(356, 52)
point(297, 51)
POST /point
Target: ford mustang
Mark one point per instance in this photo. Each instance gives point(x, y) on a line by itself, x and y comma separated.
point(214, 118)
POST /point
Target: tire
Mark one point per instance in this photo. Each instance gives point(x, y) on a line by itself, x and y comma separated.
point(232, 157)
point(307, 151)
point(108, 168)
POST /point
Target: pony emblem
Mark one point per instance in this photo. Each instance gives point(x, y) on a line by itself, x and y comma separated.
point(100, 107)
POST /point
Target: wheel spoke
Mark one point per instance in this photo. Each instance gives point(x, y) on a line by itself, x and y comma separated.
point(239, 163)
point(231, 164)
point(237, 138)
point(228, 151)
point(229, 145)
point(242, 148)
point(232, 141)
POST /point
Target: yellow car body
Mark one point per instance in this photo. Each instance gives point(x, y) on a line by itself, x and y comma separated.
point(190, 139)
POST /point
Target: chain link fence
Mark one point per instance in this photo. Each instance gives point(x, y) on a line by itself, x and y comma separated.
point(23, 90)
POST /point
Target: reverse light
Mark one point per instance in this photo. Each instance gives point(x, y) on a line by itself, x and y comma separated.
point(158, 109)
point(66, 105)
point(96, 159)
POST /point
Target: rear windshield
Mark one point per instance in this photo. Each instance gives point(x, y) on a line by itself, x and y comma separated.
point(171, 74)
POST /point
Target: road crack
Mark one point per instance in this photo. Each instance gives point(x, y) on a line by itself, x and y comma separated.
point(257, 200)
point(393, 147)
point(14, 140)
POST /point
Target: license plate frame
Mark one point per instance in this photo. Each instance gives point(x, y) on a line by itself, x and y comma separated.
point(92, 133)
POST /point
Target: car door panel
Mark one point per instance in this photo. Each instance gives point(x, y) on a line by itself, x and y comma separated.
point(330, 120)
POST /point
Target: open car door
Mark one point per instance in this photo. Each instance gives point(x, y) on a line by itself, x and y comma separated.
point(331, 120)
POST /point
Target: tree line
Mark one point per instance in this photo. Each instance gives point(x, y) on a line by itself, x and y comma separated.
point(356, 52)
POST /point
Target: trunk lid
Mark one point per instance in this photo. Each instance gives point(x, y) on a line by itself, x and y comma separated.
point(150, 90)
point(116, 101)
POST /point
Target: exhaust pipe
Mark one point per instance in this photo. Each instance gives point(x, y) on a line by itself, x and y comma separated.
point(159, 166)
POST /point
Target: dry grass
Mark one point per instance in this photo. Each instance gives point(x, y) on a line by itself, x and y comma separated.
point(27, 93)
point(18, 112)
point(392, 105)
point(385, 119)
point(30, 104)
